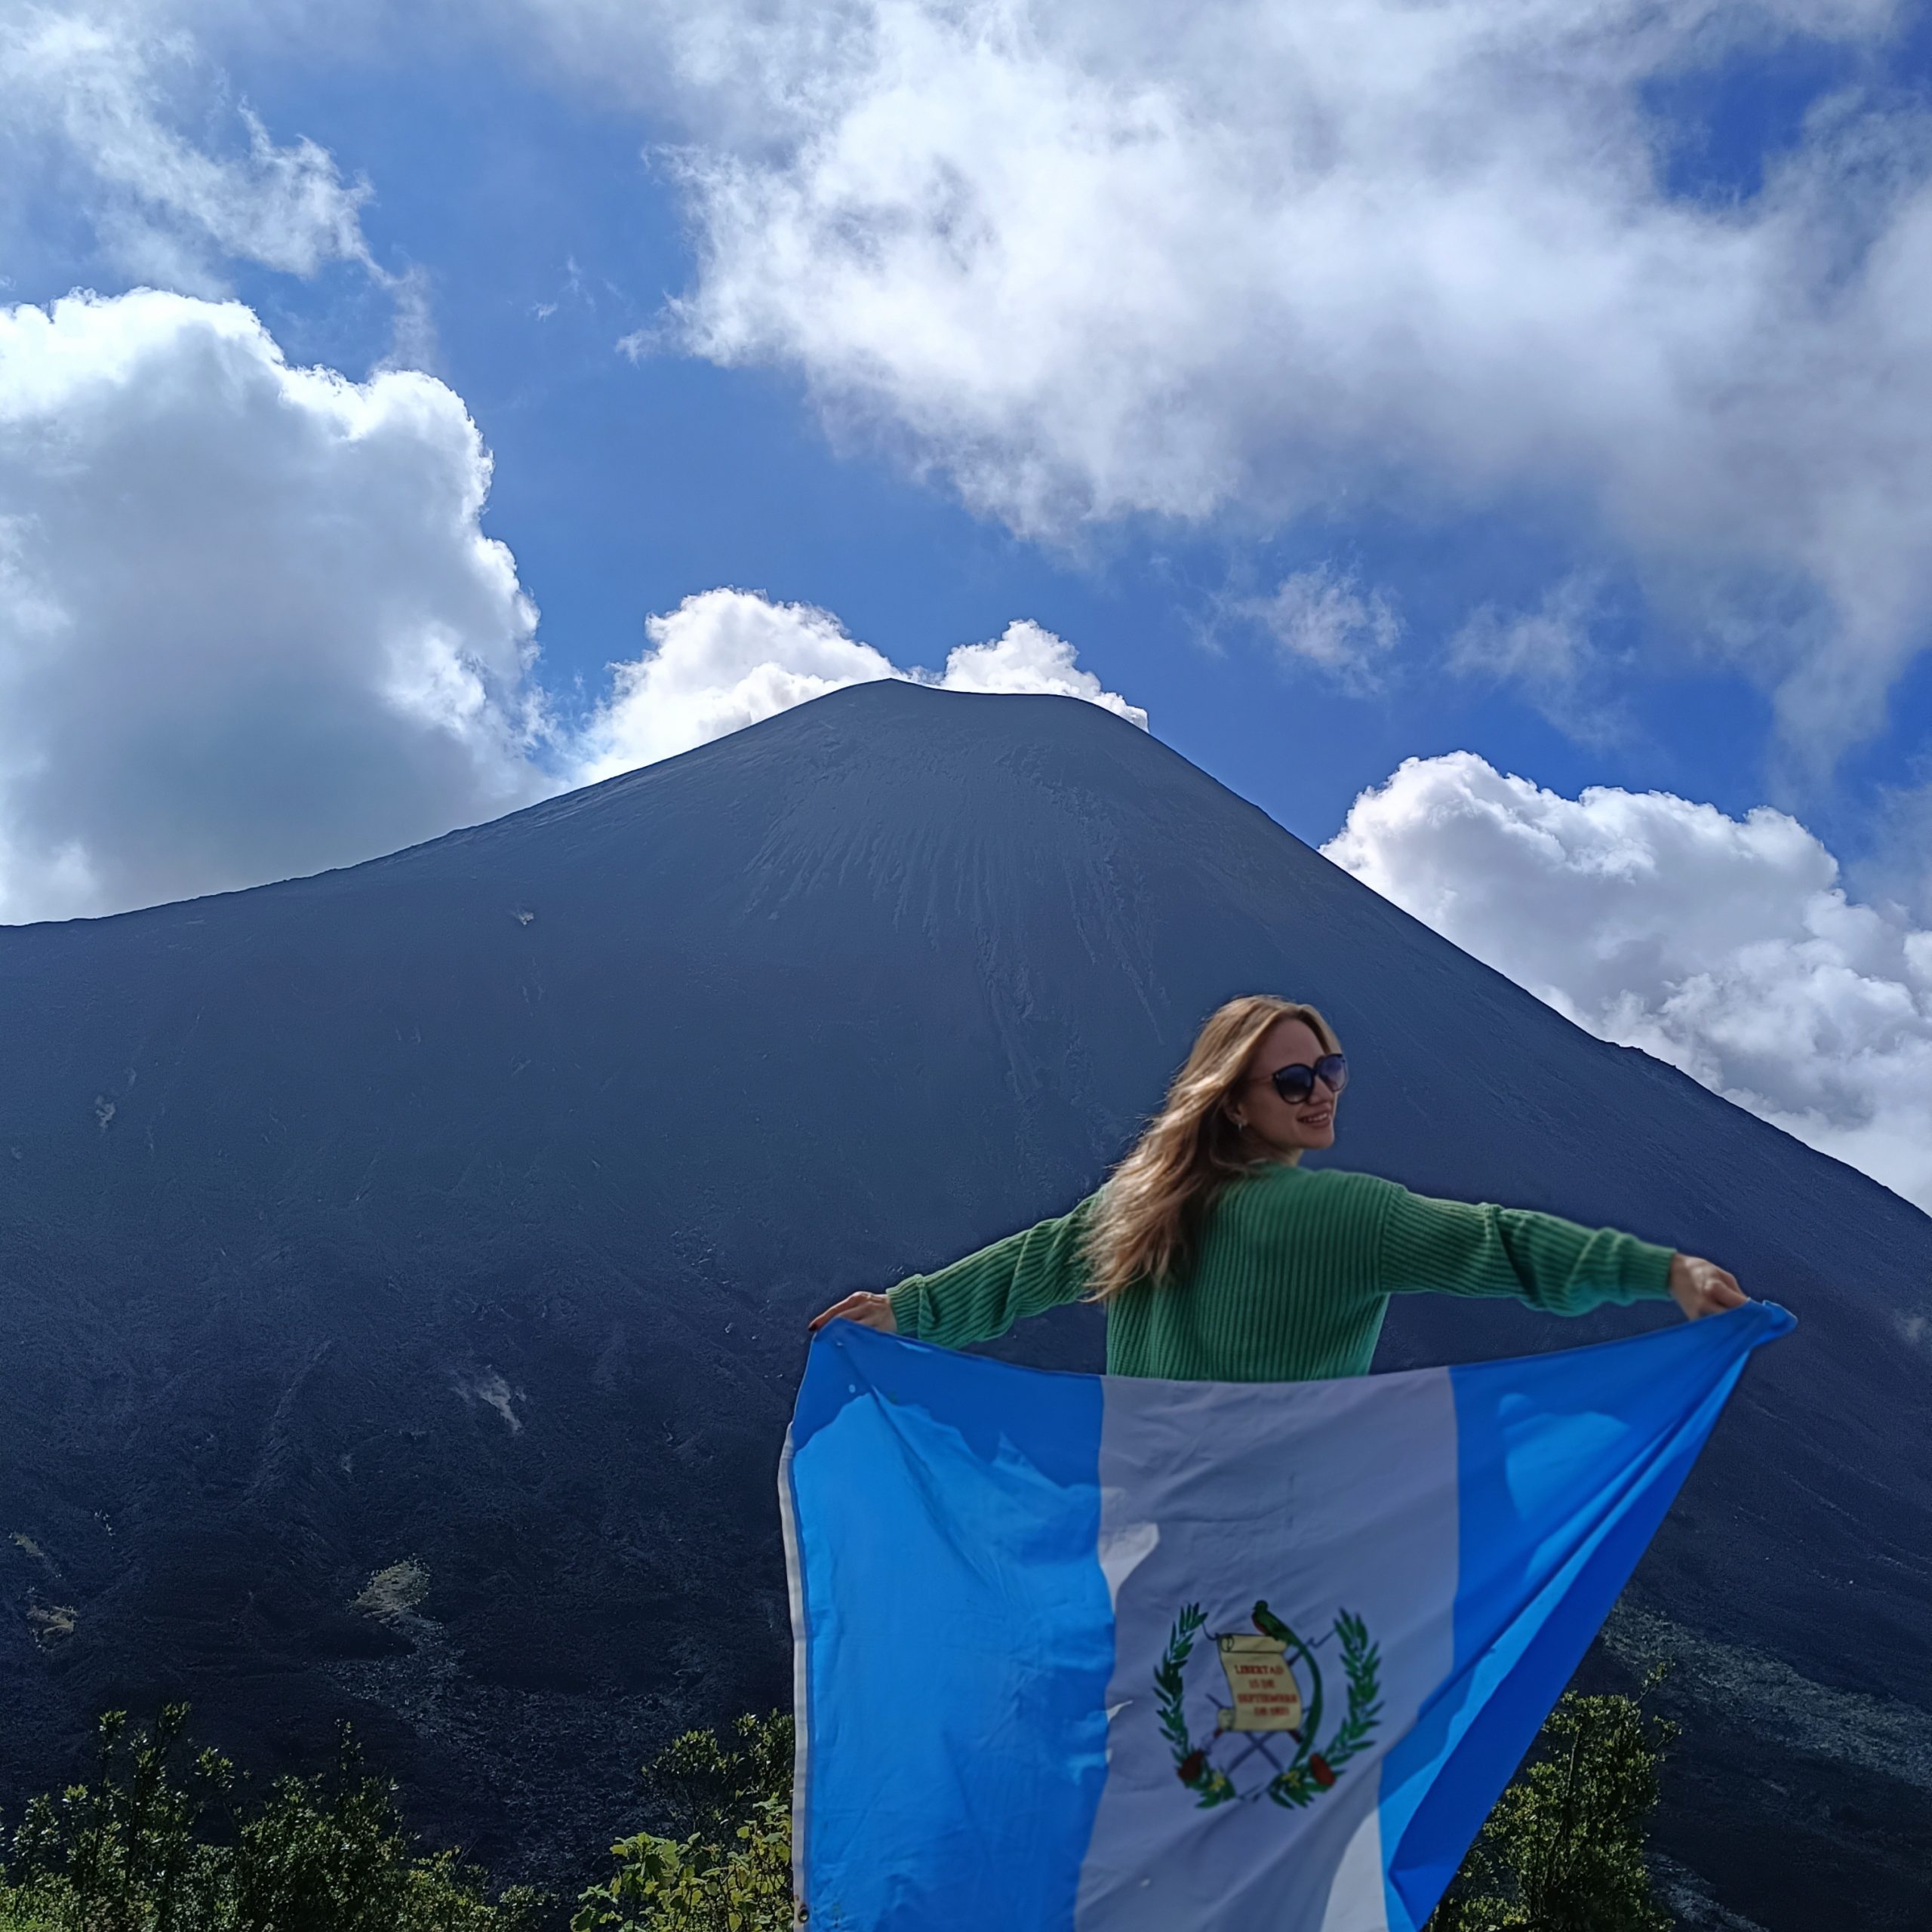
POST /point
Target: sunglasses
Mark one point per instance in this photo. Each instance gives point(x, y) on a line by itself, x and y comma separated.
point(1296, 1084)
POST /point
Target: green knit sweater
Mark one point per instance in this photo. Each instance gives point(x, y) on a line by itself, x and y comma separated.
point(1290, 1279)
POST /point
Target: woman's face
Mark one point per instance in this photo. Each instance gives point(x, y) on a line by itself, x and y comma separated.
point(1284, 1129)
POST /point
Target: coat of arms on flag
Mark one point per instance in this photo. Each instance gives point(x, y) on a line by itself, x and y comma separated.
point(1265, 1717)
point(1084, 1715)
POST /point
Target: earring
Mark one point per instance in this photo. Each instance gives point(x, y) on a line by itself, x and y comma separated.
point(1241, 1123)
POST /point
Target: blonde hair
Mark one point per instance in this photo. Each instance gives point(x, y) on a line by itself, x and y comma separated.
point(1149, 1213)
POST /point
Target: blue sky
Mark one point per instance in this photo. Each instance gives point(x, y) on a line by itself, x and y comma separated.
point(625, 485)
point(1533, 386)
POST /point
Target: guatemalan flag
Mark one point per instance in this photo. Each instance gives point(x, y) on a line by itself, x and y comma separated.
point(1090, 1654)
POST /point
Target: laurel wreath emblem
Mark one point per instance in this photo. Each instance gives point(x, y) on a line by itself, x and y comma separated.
point(1313, 1769)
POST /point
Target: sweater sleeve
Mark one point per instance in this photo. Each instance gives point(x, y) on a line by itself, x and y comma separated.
point(1457, 1248)
point(984, 1295)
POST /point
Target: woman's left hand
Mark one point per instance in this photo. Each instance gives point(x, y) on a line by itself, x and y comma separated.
point(1700, 1287)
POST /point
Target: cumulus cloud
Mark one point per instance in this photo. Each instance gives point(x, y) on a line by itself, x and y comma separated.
point(92, 104)
point(720, 661)
point(251, 626)
point(249, 623)
point(1728, 947)
point(725, 658)
point(1093, 261)
point(1025, 657)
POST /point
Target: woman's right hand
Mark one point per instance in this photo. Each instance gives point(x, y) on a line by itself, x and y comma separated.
point(868, 1311)
point(1701, 1287)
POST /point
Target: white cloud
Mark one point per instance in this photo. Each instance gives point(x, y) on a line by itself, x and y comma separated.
point(1355, 256)
point(1549, 654)
point(93, 102)
point(1024, 657)
point(250, 627)
point(1548, 647)
point(1728, 947)
point(249, 624)
point(1327, 619)
point(720, 661)
point(725, 658)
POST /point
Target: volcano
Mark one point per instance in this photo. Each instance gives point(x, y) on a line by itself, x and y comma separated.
point(403, 1270)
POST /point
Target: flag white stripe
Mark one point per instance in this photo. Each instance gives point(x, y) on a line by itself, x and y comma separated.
point(1342, 1499)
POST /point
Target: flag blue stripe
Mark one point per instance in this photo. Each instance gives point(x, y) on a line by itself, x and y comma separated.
point(1566, 1466)
point(951, 1592)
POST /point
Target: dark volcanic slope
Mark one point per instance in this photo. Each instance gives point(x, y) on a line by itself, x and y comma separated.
point(463, 1209)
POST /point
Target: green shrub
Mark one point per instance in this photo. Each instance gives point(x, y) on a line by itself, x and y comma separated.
point(162, 1841)
point(743, 1884)
point(1563, 1851)
point(732, 1871)
point(19, 1912)
point(710, 1788)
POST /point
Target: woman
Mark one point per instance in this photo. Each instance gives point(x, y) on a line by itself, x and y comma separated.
point(1219, 1258)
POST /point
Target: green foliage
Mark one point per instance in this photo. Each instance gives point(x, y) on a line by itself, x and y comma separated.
point(122, 1854)
point(323, 1857)
point(20, 1912)
point(706, 1786)
point(151, 1844)
point(732, 1872)
point(660, 1885)
point(1563, 1851)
